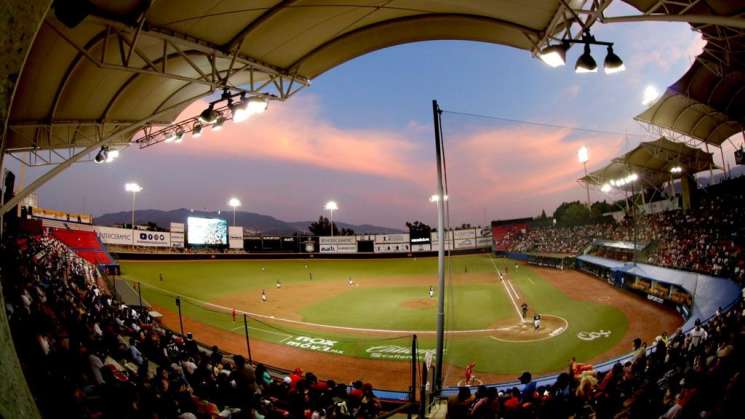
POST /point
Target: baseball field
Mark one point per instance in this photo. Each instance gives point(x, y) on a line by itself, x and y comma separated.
point(349, 319)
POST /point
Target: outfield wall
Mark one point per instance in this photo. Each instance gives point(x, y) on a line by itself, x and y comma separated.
point(253, 256)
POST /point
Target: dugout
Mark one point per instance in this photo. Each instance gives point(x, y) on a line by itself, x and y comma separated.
point(694, 295)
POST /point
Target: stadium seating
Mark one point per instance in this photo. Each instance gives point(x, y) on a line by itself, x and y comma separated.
point(709, 238)
point(87, 355)
point(85, 244)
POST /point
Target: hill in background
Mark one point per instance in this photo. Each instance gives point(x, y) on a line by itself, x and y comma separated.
point(261, 223)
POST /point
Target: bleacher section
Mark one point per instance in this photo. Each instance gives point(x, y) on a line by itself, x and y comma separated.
point(86, 245)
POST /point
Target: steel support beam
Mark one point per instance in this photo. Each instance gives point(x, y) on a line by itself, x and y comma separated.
point(41, 180)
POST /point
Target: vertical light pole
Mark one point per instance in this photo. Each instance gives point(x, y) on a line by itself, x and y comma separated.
point(235, 203)
point(134, 188)
point(331, 207)
point(583, 154)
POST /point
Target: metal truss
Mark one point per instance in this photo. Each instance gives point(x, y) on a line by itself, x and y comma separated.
point(263, 78)
point(213, 68)
point(722, 33)
point(48, 157)
point(571, 19)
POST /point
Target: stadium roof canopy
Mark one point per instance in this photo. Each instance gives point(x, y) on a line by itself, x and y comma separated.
point(708, 102)
point(130, 64)
point(652, 162)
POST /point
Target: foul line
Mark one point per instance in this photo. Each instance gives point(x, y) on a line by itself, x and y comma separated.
point(514, 304)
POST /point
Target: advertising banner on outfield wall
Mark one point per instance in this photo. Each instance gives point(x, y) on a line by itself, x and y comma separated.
point(177, 235)
point(344, 240)
point(392, 238)
point(469, 233)
point(337, 248)
point(392, 247)
point(448, 240)
point(365, 237)
point(483, 242)
point(153, 238)
point(235, 237)
point(111, 235)
point(465, 244)
point(421, 247)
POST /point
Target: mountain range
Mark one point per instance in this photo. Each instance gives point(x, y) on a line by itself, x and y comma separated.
point(258, 222)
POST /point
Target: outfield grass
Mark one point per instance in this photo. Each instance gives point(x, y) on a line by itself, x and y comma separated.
point(470, 305)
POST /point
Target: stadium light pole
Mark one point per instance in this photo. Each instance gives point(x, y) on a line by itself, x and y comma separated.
point(134, 188)
point(331, 206)
point(235, 203)
point(583, 154)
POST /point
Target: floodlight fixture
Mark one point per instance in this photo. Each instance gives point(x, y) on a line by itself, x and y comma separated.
point(196, 130)
point(331, 206)
point(436, 198)
point(132, 187)
point(217, 126)
point(613, 63)
point(256, 104)
point(583, 154)
point(170, 136)
point(234, 202)
point(209, 115)
point(112, 155)
point(102, 155)
point(178, 135)
point(554, 55)
point(585, 62)
point(650, 95)
point(605, 188)
point(676, 170)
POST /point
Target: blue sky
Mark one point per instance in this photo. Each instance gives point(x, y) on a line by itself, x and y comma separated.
point(362, 135)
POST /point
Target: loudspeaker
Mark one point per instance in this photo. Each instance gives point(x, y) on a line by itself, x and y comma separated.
point(740, 156)
point(72, 12)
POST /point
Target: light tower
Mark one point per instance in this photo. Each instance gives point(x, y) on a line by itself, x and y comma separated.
point(235, 203)
point(331, 206)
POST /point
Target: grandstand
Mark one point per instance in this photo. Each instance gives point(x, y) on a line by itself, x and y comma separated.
point(85, 80)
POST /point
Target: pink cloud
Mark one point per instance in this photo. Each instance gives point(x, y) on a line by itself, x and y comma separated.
point(520, 169)
point(295, 132)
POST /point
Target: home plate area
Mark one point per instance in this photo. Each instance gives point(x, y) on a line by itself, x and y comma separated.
point(551, 326)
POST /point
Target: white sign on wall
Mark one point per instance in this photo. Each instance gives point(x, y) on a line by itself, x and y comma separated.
point(421, 247)
point(337, 248)
point(346, 240)
point(465, 243)
point(177, 227)
point(392, 238)
point(469, 233)
point(153, 238)
point(392, 248)
point(111, 235)
point(235, 237)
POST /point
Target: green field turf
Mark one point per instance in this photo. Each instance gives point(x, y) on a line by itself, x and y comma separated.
point(469, 306)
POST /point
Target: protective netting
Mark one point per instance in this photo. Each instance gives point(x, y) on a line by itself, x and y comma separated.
point(500, 168)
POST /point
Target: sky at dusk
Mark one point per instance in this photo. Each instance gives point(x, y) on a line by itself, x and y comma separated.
point(362, 135)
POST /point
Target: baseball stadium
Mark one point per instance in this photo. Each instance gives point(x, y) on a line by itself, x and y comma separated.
point(622, 298)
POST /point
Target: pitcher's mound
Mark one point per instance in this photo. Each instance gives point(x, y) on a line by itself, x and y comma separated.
point(419, 303)
point(551, 326)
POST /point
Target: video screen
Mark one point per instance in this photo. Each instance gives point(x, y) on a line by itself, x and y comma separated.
point(207, 231)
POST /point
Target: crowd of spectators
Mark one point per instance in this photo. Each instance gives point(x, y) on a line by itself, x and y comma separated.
point(87, 355)
point(695, 375)
point(709, 238)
